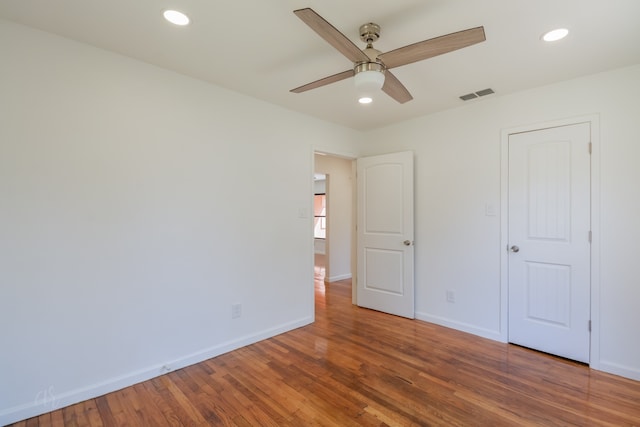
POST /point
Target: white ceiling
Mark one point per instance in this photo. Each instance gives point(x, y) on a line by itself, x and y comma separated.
point(260, 48)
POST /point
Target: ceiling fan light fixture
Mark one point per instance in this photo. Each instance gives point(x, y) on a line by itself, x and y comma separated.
point(368, 79)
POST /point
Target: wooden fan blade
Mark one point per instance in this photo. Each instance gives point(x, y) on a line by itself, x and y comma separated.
point(395, 89)
point(334, 37)
point(432, 47)
point(322, 82)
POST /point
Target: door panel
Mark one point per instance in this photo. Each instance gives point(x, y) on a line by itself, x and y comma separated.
point(385, 233)
point(384, 268)
point(549, 223)
point(548, 295)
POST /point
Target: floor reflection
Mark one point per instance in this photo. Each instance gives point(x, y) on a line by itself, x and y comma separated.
point(319, 274)
point(319, 269)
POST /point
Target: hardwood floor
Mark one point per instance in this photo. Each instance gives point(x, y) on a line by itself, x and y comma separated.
point(356, 367)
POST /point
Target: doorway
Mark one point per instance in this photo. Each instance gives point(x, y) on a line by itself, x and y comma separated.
point(333, 176)
point(319, 225)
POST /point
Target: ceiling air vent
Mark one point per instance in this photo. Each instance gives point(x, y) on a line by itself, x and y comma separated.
point(468, 96)
point(483, 92)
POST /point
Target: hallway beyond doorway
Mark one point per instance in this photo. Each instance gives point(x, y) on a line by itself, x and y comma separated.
point(319, 270)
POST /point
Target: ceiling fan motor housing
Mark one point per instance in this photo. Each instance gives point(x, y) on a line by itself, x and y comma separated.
point(369, 32)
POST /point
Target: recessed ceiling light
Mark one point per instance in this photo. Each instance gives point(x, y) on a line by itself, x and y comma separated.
point(365, 100)
point(176, 17)
point(555, 35)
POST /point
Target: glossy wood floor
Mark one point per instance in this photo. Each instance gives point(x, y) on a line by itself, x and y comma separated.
point(356, 367)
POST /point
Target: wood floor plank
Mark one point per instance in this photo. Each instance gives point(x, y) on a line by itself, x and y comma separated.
point(91, 413)
point(156, 400)
point(105, 411)
point(241, 405)
point(122, 412)
point(280, 396)
point(182, 400)
point(358, 367)
point(151, 408)
point(202, 397)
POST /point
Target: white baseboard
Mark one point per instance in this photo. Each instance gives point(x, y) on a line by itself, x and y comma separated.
point(460, 326)
point(337, 278)
point(49, 401)
point(617, 369)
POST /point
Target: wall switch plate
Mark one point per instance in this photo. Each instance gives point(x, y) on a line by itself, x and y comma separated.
point(490, 209)
point(451, 296)
point(236, 311)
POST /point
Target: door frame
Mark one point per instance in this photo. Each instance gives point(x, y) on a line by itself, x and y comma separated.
point(594, 121)
point(348, 155)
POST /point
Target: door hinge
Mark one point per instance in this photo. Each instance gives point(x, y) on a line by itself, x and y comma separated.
point(590, 236)
point(590, 148)
point(589, 326)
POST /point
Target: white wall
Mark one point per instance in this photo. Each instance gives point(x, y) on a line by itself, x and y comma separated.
point(339, 215)
point(130, 220)
point(457, 159)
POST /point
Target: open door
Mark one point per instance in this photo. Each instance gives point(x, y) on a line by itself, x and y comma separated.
point(385, 233)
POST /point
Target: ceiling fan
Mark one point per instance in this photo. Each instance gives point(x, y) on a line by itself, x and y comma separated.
point(370, 66)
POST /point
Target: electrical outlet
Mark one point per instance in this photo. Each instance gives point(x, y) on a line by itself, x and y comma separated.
point(451, 296)
point(236, 311)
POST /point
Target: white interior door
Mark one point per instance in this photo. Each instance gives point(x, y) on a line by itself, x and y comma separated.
point(385, 233)
point(549, 240)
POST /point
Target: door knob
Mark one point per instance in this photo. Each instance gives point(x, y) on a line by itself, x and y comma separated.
point(407, 242)
point(514, 248)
